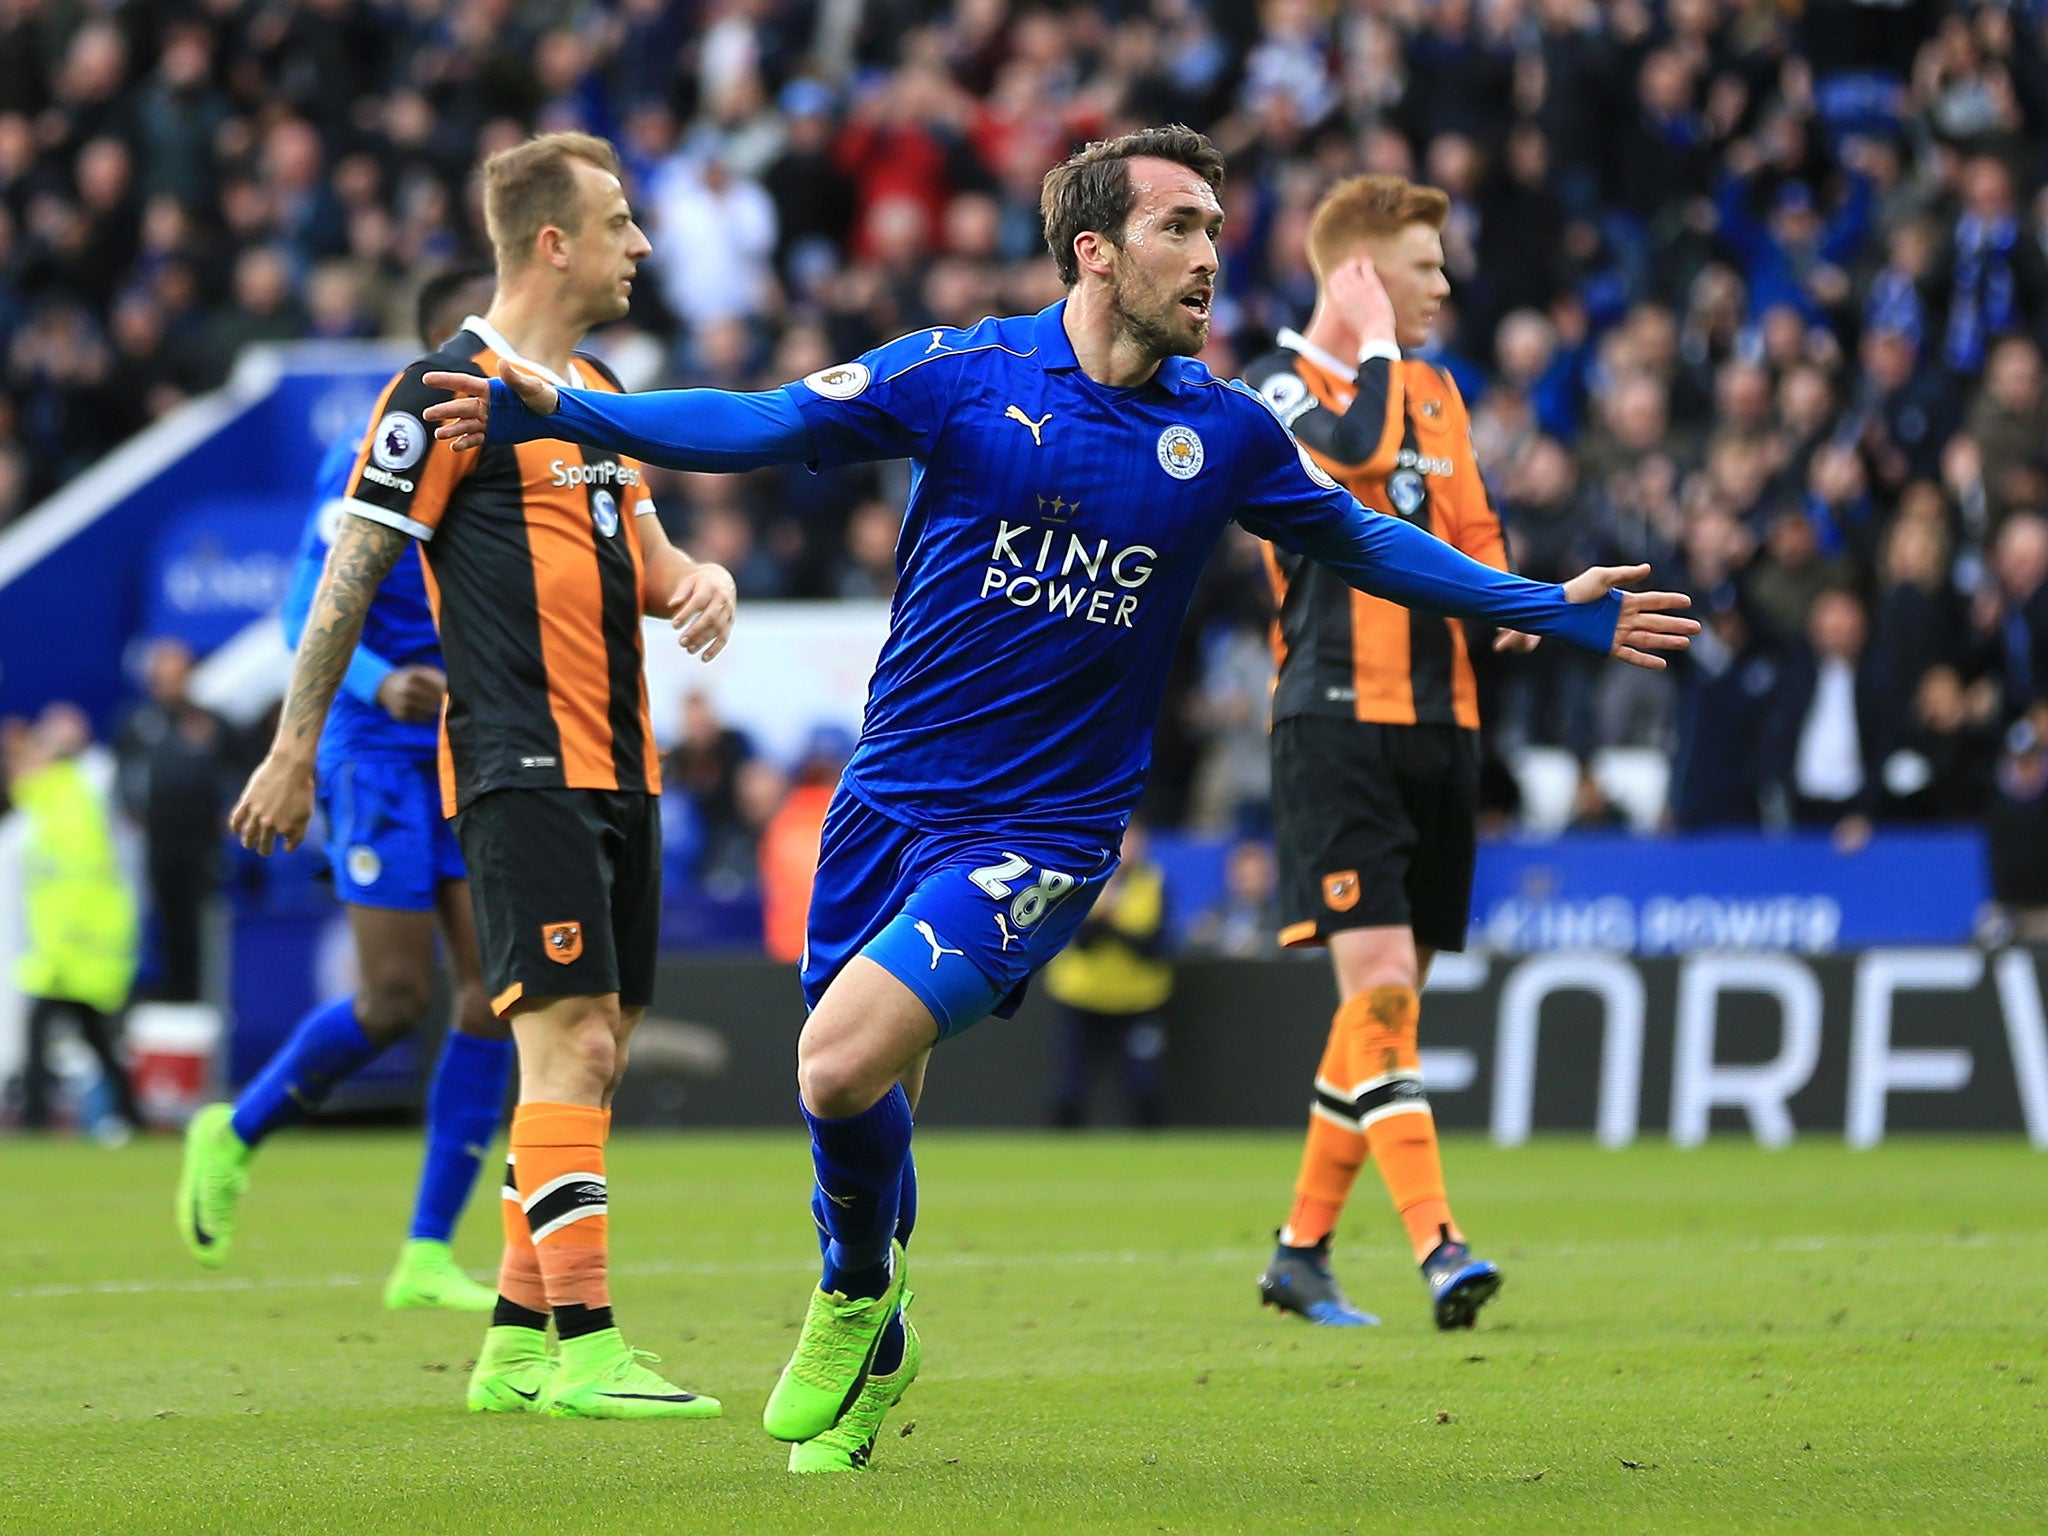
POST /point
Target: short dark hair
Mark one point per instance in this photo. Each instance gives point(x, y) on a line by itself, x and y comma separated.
point(434, 310)
point(1091, 188)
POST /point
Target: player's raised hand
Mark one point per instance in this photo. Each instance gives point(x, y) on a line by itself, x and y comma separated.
point(1358, 295)
point(276, 804)
point(702, 610)
point(460, 422)
point(1649, 620)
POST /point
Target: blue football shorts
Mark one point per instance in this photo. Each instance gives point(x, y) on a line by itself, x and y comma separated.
point(387, 841)
point(962, 918)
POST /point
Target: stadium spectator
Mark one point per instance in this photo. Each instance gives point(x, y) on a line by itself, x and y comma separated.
point(1247, 920)
point(1918, 624)
point(1995, 279)
point(2009, 619)
point(80, 956)
point(1233, 784)
point(791, 839)
point(1726, 687)
point(1942, 767)
point(1789, 574)
point(731, 862)
point(178, 765)
point(1829, 719)
point(1771, 264)
point(1552, 527)
point(2017, 825)
point(2009, 424)
point(868, 569)
point(718, 234)
point(704, 765)
point(1111, 982)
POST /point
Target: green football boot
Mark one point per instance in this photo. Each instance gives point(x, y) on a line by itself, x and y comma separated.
point(210, 1184)
point(849, 1445)
point(599, 1377)
point(830, 1366)
point(513, 1372)
point(428, 1276)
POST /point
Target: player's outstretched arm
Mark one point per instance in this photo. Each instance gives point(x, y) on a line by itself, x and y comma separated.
point(715, 430)
point(1389, 558)
point(277, 803)
point(1417, 570)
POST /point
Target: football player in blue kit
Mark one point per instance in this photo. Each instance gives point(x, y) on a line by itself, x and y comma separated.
point(1072, 471)
point(396, 870)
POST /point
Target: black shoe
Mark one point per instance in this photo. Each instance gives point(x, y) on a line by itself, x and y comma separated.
point(1459, 1285)
point(1299, 1280)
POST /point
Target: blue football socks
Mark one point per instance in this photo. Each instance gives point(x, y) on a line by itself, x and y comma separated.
point(889, 1352)
point(325, 1048)
point(860, 1161)
point(465, 1102)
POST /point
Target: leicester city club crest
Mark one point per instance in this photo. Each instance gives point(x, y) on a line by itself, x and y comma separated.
point(1180, 452)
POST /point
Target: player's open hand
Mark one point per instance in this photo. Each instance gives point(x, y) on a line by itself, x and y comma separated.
point(702, 610)
point(1356, 292)
point(1649, 621)
point(276, 804)
point(461, 422)
point(413, 694)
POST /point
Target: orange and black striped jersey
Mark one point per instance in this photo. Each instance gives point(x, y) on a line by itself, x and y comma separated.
point(1395, 434)
point(534, 571)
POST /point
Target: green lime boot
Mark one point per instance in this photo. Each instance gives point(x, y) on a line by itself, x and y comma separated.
point(600, 1377)
point(210, 1184)
point(832, 1359)
point(428, 1276)
point(513, 1372)
point(849, 1445)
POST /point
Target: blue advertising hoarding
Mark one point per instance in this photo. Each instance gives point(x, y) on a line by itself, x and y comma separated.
point(1659, 896)
point(102, 561)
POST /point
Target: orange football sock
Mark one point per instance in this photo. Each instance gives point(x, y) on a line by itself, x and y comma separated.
point(1404, 1146)
point(1335, 1149)
point(1400, 1130)
point(558, 1152)
point(519, 1278)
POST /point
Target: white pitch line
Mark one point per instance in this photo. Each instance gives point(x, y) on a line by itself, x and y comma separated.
point(198, 1287)
point(1110, 1258)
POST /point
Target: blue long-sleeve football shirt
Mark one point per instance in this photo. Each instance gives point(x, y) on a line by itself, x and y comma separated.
point(398, 632)
point(1055, 533)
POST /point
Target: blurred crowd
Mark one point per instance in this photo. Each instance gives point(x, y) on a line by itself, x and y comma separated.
point(1754, 293)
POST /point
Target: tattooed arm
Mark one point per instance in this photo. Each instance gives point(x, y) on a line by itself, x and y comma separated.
point(278, 801)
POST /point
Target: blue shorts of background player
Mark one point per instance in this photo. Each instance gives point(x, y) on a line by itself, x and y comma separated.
point(386, 838)
point(962, 917)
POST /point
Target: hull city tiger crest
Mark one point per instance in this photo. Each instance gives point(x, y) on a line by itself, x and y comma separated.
point(1340, 891)
point(563, 941)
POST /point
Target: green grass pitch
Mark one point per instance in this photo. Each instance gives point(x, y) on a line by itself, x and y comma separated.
point(1721, 1340)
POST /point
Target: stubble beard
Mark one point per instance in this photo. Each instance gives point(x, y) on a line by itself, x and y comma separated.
point(1155, 334)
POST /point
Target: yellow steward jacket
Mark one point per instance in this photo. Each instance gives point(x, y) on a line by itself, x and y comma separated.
point(1113, 964)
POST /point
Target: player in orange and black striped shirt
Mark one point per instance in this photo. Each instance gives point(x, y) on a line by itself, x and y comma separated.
point(540, 561)
point(536, 585)
point(1375, 734)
